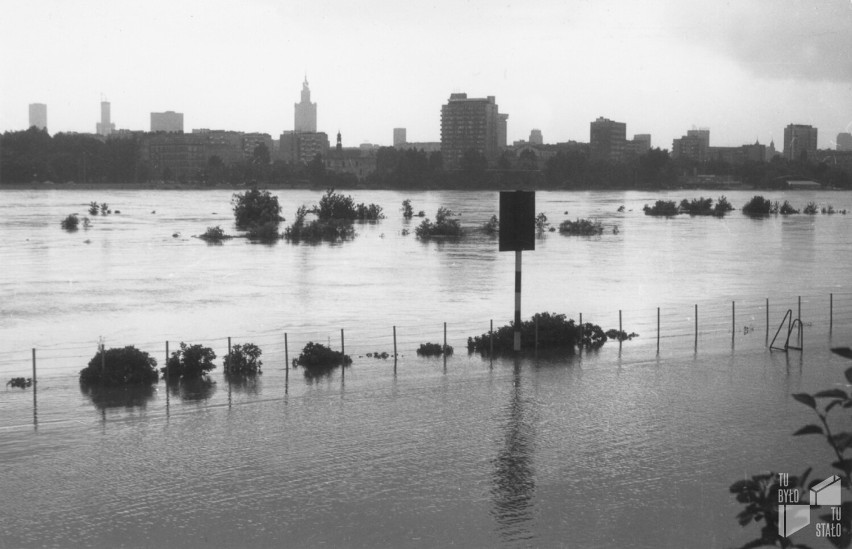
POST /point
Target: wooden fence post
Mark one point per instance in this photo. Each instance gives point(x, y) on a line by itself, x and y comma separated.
point(696, 327)
point(658, 330)
point(394, 343)
point(34, 367)
point(286, 354)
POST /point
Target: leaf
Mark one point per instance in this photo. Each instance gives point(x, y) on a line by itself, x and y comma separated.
point(849, 374)
point(844, 465)
point(832, 393)
point(809, 430)
point(842, 440)
point(806, 399)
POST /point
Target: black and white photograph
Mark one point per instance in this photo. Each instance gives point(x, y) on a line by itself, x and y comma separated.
point(381, 274)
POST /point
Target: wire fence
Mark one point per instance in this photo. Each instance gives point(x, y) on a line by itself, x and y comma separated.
point(696, 327)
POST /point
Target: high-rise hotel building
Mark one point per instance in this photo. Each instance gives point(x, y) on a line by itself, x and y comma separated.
point(471, 124)
point(800, 142)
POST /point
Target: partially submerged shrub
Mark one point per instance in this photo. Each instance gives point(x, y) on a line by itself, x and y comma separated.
point(70, 223)
point(256, 207)
point(407, 210)
point(554, 332)
point(444, 226)
point(371, 212)
point(662, 208)
point(213, 234)
point(698, 206)
point(317, 230)
point(581, 227)
point(620, 335)
point(94, 208)
point(541, 222)
point(382, 355)
point(318, 356)
point(189, 362)
point(722, 206)
point(267, 232)
point(334, 205)
point(758, 206)
point(243, 360)
point(811, 208)
point(120, 366)
point(492, 226)
point(434, 349)
point(787, 209)
point(20, 382)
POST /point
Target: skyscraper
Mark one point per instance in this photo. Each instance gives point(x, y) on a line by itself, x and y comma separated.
point(38, 115)
point(168, 121)
point(399, 138)
point(607, 139)
point(305, 111)
point(104, 127)
point(800, 142)
point(470, 124)
point(536, 137)
point(844, 141)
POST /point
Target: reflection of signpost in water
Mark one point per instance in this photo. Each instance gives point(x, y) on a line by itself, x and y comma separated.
point(517, 233)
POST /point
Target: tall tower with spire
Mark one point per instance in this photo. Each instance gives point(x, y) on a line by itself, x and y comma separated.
point(305, 111)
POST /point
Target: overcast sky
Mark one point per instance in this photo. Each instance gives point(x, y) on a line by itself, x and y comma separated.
point(745, 68)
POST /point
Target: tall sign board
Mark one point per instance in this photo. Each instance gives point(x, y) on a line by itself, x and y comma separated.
point(517, 233)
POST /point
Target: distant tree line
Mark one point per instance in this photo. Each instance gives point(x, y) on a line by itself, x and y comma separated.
point(33, 155)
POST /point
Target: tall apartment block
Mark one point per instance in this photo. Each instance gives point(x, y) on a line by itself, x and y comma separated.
point(695, 145)
point(169, 121)
point(800, 142)
point(607, 140)
point(38, 116)
point(536, 137)
point(471, 124)
point(305, 112)
point(399, 138)
point(104, 127)
point(844, 141)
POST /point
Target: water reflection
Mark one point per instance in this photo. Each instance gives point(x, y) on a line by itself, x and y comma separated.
point(513, 475)
point(118, 397)
point(193, 389)
point(249, 385)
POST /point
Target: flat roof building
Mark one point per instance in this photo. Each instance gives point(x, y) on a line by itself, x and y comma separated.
point(169, 121)
point(607, 140)
point(800, 142)
point(470, 124)
point(38, 116)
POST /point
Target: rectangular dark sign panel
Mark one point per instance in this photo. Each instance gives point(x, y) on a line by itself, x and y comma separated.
point(517, 221)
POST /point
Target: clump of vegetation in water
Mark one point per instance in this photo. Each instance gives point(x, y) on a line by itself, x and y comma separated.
point(189, 362)
point(554, 332)
point(445, 226)
point(20, 382)
point(492, 226)
point(542, 224)
point(382, 355)
point(434, 349)
point(120, 366)
point(830, 210)
point(665, 208)
point(620, 335)
point(317, 356)
point(581, 227)
point(214, 234)
point(722, 206)
point(267, 232)
point(811, 209)
point(407, 210)
point(698, 206)
point(94, 209)
point(787, 209)
point(255, 207)
point(317, 230)
point(334, 205)
point(70, 223)
point(758, 206)
point(243, 360)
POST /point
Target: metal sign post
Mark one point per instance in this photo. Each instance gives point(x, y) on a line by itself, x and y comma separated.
point(517, 233)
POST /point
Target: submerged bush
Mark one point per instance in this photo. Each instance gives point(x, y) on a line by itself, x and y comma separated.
point(334, 205)
point(318, 356)
point(243, 360)
point(698, 206)
point(581, 227)
point(371, 212)
point(554, 332)
point(255, 207)
point(722, 206)
point(189, 362)
point(620, 335)
point(317, 230)
point(665, 208)
point(94, 209)
point(811, 208)
point(70, 223)
point(20, 382)
point(267, 232)
point(407, 210)
point(434, 349)
point(213, 234)
point(758, 206)
point(444, 226)
point(541, 223)
point(492, 226)
point(120, 366)
point(787, 209)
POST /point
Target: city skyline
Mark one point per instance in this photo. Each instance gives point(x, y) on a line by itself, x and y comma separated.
point(661, 67)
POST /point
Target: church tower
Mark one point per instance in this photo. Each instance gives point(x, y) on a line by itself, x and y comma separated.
point(305, 111)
